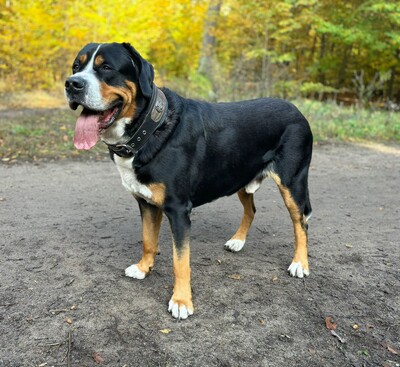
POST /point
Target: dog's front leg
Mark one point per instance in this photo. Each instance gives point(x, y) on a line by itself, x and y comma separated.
point(180, 305)
point(151, 223)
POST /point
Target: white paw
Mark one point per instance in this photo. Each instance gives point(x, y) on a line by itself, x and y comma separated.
point(179, 312)
point(296, 270)
point(134, 272)
point(234, 245)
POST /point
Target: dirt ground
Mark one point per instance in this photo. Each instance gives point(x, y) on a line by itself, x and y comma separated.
point(68, 230)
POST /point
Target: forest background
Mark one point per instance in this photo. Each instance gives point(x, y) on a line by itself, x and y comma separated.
point(228, 47)
point(346, 52)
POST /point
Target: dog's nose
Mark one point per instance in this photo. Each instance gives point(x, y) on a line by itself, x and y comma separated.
point(74, 84)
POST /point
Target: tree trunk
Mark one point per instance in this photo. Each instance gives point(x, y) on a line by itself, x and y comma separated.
point(321, 74)
point(265, 70)
point(343, 66)
point(208, 44)
point(390, 87)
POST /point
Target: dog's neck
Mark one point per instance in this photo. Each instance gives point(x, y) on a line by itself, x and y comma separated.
point(124, 141)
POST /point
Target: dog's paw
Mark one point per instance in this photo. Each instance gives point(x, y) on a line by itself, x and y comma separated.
point(179, 310)
point(297, 270)
point(234, 245)
point(134, 272)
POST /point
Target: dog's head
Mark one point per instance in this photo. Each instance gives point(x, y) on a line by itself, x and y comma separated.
point(112, 83)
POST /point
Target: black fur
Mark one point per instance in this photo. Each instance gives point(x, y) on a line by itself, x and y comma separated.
point(204, 151)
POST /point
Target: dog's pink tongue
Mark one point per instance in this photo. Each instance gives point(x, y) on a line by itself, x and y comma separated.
point(86, 131)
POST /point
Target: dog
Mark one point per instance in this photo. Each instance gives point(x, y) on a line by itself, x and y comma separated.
point(174, 154)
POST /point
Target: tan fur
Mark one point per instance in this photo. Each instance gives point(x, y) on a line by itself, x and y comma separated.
point(300, 234)
point(151, 223)
point(182, 291)
point(158, 193)
point(98, 60)
point(247, 201)
point(127, 94)
point(83, 58)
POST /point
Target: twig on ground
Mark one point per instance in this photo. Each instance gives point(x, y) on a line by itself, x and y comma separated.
point(69, 348)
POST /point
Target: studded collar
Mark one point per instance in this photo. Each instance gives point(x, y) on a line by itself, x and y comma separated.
point(155, 116)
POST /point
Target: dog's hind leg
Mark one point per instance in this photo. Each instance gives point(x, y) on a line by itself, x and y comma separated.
point(238, 240)
point(151, 223)
point(296, 200)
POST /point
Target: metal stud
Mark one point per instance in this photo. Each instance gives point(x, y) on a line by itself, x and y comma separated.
point(139, 138)
point(144, 132)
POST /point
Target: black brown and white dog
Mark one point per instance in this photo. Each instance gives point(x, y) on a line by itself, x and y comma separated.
point(174, 154)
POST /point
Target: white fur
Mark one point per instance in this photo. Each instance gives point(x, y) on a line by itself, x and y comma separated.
point(252, 187)
point(296, 270)
point(255, 184)
point(93, 98)
point(134, 272)
point(129, 179)
point(177, 312)
point(234, 245)
point(115, 133)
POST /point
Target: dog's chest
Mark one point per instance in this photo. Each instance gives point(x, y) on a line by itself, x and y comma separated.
point(129, 179)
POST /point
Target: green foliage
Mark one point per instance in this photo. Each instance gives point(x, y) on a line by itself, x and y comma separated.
point(311, 89)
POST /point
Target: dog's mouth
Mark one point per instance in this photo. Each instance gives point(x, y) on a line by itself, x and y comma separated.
point(91, 123)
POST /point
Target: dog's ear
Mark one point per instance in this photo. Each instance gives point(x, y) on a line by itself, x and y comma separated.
point(146, 71)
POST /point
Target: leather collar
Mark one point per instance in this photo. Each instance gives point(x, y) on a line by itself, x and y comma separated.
point(154, 117)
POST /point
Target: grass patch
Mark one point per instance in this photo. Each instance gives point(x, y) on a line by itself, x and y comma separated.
point(330, 121)
point(32, 99)
point(41, 134)
point(47, 134)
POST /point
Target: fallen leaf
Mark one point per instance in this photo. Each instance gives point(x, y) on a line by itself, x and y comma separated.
point(355, 327)
point(392, 350)
point(74, 307)
point(165, 331)
point(275, 279)
point(29, 318)
point(262, 322)
point(97, 357)
point(348, 245)
point(330, 324)
point(234, 276)
point(68, 321)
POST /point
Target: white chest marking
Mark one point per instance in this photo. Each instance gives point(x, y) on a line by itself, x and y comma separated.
point(129, 179)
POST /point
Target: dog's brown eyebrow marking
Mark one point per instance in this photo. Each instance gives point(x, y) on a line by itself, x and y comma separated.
point(98, 60)
point(83, 58)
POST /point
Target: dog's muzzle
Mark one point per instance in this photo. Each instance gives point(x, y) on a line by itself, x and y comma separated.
point(75, 87)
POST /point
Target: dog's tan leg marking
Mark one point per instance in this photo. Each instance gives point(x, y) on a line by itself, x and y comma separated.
point(238, 240)
point(151, 223)
point(157, 193)
point(299, 266)
point(181, 305)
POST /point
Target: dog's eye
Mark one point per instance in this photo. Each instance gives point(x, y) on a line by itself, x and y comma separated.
point(106, 67)
point(75, 67)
